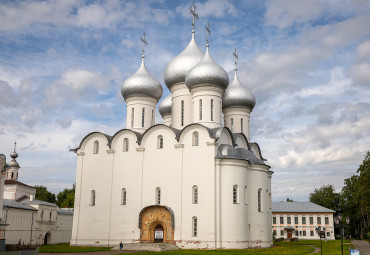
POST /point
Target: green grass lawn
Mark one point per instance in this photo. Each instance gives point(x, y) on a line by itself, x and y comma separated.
point(65, 247)
point(279, 248)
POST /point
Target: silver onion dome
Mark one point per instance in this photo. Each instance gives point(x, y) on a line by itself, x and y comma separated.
point(238, 95)
point(165, 106)
point(177, 69)
point(141, 83)
point(207, 72)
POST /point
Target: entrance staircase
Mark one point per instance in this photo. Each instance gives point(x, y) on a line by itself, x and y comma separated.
point(148, 247)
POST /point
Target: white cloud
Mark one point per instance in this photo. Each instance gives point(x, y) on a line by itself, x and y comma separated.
point(210, 8)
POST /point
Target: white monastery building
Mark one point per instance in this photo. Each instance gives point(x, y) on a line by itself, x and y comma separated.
point(300, 220)
point(196, 181)
point(25, 219)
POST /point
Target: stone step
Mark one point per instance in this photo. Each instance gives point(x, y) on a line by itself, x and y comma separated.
point(148, 247)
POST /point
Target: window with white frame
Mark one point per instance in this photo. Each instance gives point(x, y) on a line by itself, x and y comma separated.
point(282, 232)
point(318, 220)
point(195, 194)
point(195, 138)
point(289, 221)
point(303, 220)
point(125, 144)
point(200, 109)
point(326, 220)
point(281, 220)
point(160, 142)
point(273, 220)
point(95, 149)
point(123, 197)
point(295, 220)
point(235, 194)
point(142, 117)
point(195, 226)
point(92, 198)
point(311, 220)
point(158, 196)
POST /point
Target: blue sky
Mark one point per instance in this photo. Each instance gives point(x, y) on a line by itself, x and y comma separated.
point(62, 64)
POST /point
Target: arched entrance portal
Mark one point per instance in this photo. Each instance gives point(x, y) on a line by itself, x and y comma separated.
point(156, 224)
point(47, 238)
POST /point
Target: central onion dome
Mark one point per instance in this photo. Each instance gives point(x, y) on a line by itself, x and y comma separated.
point(207, 72)
point(141, 83)
point(165, 106)
point(177, 69)
point(238, 95)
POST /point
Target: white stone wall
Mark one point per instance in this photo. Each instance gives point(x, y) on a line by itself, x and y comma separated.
point(15, 191)
point(236, 114)
point(138, 104)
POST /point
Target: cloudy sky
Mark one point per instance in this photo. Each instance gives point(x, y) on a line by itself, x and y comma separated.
point(62, 63)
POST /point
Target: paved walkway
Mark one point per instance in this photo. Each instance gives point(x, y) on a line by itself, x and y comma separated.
point(363, 246)
point(316, 250)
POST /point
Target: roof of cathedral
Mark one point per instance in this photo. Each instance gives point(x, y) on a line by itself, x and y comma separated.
point(141, 83)
point(207, 72)
point(228, 151)
point(238, 95)
point(165, 106)
point(10, 182)
point(15, 204)
point(298, 207)
point(177, 69)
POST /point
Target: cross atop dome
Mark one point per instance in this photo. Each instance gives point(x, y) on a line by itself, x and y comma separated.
point(236, 59)
point(208, 32)
point(145, 43)
point(195, 15)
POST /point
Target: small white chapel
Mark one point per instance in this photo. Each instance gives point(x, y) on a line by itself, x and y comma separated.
point(196, 181)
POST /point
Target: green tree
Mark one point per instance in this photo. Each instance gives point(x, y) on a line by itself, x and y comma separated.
point(326, 197)
point(66, 198)
point(43, 194)
point(364, 193)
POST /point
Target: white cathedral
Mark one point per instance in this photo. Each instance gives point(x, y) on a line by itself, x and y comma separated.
point(195, 181)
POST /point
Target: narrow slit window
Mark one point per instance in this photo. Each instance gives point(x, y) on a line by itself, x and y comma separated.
point(132, 117)
point(195, 139)
point(246, 195)
point(142, 117)
point(211, 109)
point(200, 109)
point(241, 125)
point(92, 199)
point(232, 125)
point(152, 117)
point(195, 226)
point(235, 194)
point(182, 112)
point(96, 148)
point(195, 194)
point(259, 200)
point(160, 142)
point(125, 144)
point(158, 196)
point(123, 197)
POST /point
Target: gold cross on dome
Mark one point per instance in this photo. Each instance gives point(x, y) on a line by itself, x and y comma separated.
point(236, 58)
point(195, 15)
point(145, 43)
point(208, 31)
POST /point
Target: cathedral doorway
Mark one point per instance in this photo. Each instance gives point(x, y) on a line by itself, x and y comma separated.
point(156, 224)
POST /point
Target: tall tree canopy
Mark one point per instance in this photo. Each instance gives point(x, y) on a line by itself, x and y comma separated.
point(326, 196)
point(43, 194)
point(66, 198)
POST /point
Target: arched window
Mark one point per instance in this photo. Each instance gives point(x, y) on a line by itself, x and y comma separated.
point(142, 117)
point(211, 109)
point(12, 175)
point(132, 117)
point(195, 194)
point(158, 196)
point(259, 200)
point(195, 139)
point(96, 147)
point(200, 109)
point(92, 199)
point(42, 214)
point(50, 215)
point(232, 125)
point(182, 112)
point(246, 195)
point(123, 197)
point(235, 194)
point(160, 142)
point(125, 144)
point(195, 226)
point(241, 125)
